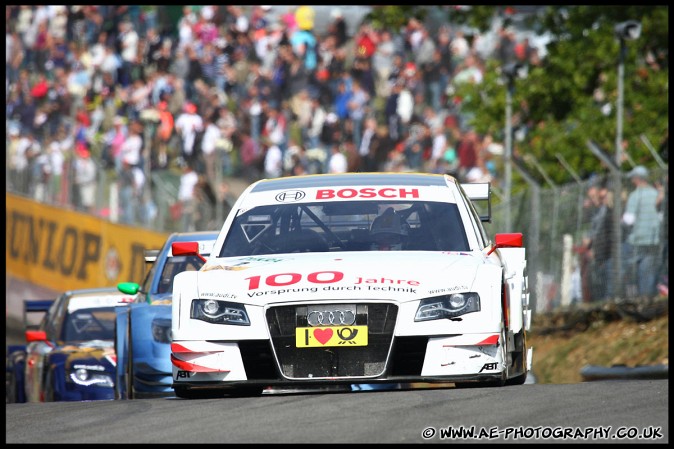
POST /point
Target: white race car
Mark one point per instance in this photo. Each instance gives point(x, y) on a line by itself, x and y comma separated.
point(355, 278)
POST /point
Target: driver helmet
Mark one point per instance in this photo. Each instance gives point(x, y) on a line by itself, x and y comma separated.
point(387, 230)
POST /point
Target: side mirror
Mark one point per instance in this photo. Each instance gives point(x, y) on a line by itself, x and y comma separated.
point(130, 288)
point(186, 249)
point(32, 336)
point(509, 240)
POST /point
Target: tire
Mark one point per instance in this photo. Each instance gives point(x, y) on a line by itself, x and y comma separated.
point(11, 394)
point(517, 380)
point(48, 387)
point(520, 359)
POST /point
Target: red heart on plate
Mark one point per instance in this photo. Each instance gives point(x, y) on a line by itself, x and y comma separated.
point(323, 335)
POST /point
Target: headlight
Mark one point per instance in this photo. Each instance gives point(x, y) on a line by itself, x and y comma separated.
point(87, 375)
point(447, 306)
point(219, 312)
point(161, 330)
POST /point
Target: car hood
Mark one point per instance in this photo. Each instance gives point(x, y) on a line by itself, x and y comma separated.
point(96, 352)
point(401, 275)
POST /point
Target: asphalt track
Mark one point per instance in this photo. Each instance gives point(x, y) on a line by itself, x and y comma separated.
point(591, 412)
point(600, 412)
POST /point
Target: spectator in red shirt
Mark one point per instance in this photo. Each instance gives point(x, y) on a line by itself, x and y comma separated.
point(467, 152)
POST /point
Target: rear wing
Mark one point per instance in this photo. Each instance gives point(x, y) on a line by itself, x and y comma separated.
point(480, 195)
point(34, 306)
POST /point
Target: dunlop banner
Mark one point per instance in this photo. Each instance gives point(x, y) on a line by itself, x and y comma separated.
point(66, 250)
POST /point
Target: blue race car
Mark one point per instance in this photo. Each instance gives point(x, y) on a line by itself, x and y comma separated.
point(142, 334)
point(70, 356)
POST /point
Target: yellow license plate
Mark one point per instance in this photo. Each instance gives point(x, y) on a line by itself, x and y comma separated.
point(318, 337)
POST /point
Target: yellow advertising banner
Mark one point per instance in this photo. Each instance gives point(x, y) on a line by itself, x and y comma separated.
point(67, 250)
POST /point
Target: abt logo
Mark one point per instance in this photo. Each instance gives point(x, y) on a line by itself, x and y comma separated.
point(184, 374)
point(489, 366)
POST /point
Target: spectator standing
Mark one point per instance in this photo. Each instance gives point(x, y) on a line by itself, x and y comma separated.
point(393, 120)
point(15, 159)
point(404, 109)
point(467, 152)
point(305, 45)
point(460, 48)
point(252, 157)
point(358, 107)
point(318, 117)
point(432, 76)
point(187, 197)
point(56, 161)
point(275, 127)
point(601, 238)
point(14, 54)
point(438, 148)
point(204, 202)
point(227, 125)
point(131, 149)
point(367, 148)
point(127, 40)
point(208, 147)
point(84, 180)
point(128, 196)
point(163, 136)
point(338, 27)
point(27, 147)
point(187, 125)
point(27, 110)
point(114, 140)
point(643, 239)
point(273, 162)
point(337, 162)
point(663, 210)
point(591, 205)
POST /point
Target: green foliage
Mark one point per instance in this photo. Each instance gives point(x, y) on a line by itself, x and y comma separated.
point(394, 17)
point(571, 96)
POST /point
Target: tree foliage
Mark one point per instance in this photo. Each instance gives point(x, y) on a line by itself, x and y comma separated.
point(571, 96)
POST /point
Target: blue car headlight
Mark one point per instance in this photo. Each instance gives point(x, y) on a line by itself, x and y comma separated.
point(219, 312)
point(161, 330)
point(88, 375)
point(447, 306)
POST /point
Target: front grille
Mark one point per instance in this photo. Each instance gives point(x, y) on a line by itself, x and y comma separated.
point(306, 363)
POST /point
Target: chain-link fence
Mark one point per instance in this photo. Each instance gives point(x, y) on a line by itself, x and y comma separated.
point(569, 230)
point(570, 236)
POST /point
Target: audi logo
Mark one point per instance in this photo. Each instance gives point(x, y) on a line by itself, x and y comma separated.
point(333, 316)
point(290, 196)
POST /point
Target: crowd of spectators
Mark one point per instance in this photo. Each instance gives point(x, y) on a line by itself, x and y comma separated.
point(222, 91)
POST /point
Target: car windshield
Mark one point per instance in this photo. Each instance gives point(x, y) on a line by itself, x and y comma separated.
point(89, 324)
point(173, 266)
point(346, 226)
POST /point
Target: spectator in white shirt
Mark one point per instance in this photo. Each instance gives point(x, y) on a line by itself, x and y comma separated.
point(85, 180)
point(273, 162)
point(337, 162)
point(186, 197)
point(187, 125)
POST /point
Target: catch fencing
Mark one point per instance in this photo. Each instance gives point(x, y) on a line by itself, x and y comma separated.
point(556, 223)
